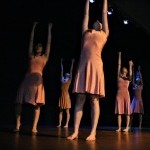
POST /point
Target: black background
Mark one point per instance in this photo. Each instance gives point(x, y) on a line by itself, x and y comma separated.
point(17, 18)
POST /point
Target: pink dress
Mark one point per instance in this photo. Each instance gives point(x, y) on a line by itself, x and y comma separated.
point(122, 105)
point(64, 100)
point(137, 102)
point(90, 76)
point(31, 89)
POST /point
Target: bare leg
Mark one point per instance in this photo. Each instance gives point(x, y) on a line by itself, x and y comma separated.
point(60, 117)
point(131, 119)
point(67, 119)
point(36, 118)
point(127, 123)
point(18, 110)
point(140, 121)
point(77, 115)
point(119, 123)
point(95, 112)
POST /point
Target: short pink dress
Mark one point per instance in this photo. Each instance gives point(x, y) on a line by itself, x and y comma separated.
point(122, 105)
point(31, 89)
point(64, 100)
point(137, 101)
point(89, 77)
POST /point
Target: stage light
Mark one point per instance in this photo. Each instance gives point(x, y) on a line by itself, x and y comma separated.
point(125, 21)
point(92, 1)
point(110, 11)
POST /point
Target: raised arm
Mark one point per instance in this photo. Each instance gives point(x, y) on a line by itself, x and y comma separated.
point(119, 63)
point(139, 69)
point(133, 76)
point(71, 68)
point(48, 46)
point(62, 69)
point(105, 18)
point(85, 17)
point(130, 69)
point(31, 39)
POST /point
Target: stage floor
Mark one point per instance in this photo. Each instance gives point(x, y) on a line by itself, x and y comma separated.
point(51, 138)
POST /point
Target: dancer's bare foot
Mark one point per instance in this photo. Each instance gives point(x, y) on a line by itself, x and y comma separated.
point(58, 126)
point(126, 129)
point(73, 136)
point(17, 128)
point(91, 137)
point(66, 126)
point(34, 132)
point(118, 130)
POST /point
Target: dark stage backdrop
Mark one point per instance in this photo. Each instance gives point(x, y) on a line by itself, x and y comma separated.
point(16, 24)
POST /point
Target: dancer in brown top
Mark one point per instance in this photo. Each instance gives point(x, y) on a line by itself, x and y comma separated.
point(31, 89)
point(122, 105)
point(89, 79)
point(137, 101)
point(64, 100)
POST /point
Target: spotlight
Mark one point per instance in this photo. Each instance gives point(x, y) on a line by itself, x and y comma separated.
point(125, 21)
point(110, 11)
point(92, 1)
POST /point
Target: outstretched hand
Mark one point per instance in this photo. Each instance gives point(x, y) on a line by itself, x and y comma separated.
point(35, 23)
point(131, 63)
point(50, 25)
point(139, 68)
point(119, 53)
point(73, 60)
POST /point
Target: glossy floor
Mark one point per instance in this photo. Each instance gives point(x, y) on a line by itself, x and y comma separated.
point(55, 139)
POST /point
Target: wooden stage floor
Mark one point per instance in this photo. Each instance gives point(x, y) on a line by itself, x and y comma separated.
point(55, 139)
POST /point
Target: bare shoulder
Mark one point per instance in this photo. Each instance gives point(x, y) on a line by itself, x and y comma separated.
point(44, 57)
point(103, 35)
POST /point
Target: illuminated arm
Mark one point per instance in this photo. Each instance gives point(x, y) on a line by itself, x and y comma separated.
point(119, 64)
point(48, 46)
point(139, 69)
point(105, 27)
point(130, 69)
point(133, 76)
point(71, 68)
point(62, 69)
point(86, 17)
point(31, 40)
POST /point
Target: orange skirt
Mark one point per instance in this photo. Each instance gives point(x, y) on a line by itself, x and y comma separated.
point(31, 90)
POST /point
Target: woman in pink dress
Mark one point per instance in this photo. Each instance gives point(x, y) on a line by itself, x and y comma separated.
point(122, 105)
point(64, 99)
point(89, 79)
point(31, 90)
point(137, 101)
